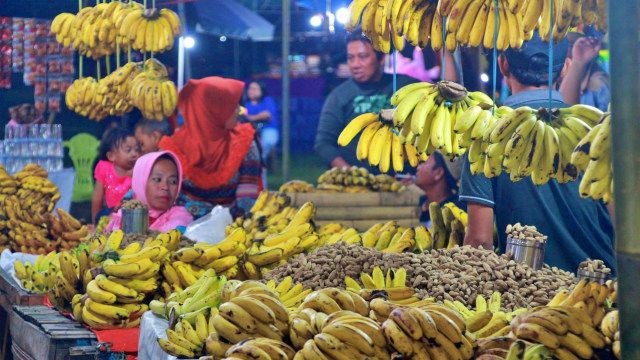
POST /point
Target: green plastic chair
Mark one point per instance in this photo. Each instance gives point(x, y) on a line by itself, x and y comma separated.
point(83, 151)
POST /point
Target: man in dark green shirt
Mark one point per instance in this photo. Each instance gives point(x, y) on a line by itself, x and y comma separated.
point(368, 90)
point(577, 228)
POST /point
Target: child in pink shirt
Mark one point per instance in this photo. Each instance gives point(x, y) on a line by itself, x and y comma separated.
point(119, 151)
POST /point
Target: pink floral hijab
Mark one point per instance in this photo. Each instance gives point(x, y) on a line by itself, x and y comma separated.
point(162, 220)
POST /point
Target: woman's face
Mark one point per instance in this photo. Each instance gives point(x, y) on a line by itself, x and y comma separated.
point(162, 185)
point(254, 92)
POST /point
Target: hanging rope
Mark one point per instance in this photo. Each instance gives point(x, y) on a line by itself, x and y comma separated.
point(395, 72)
point(551, 55)
point(496, 28)
point(444, 46)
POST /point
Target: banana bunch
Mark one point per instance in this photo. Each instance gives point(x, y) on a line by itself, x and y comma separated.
point(251, 311)
point(447, 227)
point(91, 32)
point(612, 287)
point(291, 295)
point(66, 230)
point(331, 300)
point(431, 332)
point(260, 348)
point(296, 186)
point(592, 155)
point(488, 319)
point(270, 213)
point(386, 237)
point(63, 279)
point(149, 30)
point(357, 179)
point(508, 348)
point(536, 143)
point(113, 91)
point(594, 12)
point(222, 257)
point(341, 335)
point(392, 287)
point(8, 185)
point(567, 14)
point(152, 92)
point(379, 143)
point(39, 276)
point(565, 330)
point(610, 328)
point(587, 296)
point(187, 337)
point(81, 99)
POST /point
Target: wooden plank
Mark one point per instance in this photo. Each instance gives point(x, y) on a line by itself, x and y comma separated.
point(12, 294)
point(363, 225)
point(367, 213)
point(405, 198)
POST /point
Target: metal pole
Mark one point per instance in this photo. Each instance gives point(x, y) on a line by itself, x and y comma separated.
point(180, 62)
point(236, 58)
point(286, 34)
point(624, 27)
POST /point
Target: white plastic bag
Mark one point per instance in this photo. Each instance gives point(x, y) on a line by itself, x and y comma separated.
point(210, 228)
point(7, 258)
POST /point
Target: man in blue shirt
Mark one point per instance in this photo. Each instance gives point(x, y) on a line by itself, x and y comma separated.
point(577, 228)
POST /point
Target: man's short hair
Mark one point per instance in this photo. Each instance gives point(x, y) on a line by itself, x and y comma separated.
point(149, 126)
point(449, 177)
point(530, 64)
point(358, 35)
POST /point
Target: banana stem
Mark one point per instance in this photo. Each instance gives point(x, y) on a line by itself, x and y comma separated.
point(98, 74)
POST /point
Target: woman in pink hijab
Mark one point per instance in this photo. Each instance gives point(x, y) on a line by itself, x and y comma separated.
point(156, 182)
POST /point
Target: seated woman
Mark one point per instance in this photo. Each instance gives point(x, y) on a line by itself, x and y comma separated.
point(220, 156)
point(156, 183)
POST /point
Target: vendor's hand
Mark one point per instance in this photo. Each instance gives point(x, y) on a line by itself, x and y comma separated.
point(585, 49)
point(339, 163)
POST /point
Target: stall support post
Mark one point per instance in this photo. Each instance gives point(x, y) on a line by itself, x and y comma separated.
point(286, 34)
point(624, 27)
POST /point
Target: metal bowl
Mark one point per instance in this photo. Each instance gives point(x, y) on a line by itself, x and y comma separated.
point(597, 276)
point(135, 221)
point(529, 252)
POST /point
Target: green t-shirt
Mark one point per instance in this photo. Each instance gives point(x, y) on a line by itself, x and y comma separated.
point(577, 228)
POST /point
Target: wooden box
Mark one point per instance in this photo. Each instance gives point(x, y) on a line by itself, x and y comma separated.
point(362, 210)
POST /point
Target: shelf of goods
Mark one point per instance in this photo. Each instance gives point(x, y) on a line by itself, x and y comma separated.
point(39, 332)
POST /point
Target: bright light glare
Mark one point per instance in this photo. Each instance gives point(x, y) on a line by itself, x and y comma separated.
point(223, 38)
point(316, 20)
point(189, 42)
point(484, 78)
point(342, 15)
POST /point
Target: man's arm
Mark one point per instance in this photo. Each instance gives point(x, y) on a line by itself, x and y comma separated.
point(329, 127)
point(480, 226)
point(583, 52)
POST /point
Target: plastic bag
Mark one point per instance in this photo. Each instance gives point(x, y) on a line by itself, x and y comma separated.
point(210, 228)
point(7, 258)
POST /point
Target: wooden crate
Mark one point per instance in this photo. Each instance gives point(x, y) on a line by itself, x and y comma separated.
point(11, 293)
point(362, 210)
point(42, 333)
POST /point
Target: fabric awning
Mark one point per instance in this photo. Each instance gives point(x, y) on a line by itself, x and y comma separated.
point(233, 20)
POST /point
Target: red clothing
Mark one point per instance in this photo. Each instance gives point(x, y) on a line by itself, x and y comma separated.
point(115, 186)
point(210, 153)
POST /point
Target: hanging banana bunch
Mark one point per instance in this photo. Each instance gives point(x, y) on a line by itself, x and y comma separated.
point(592, 155)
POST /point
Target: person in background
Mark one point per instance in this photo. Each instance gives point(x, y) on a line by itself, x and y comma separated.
point(586, 82)
point(156, 182)
point(220, 157)
point(368, 90)
point(262, 112)
point(149, 132)
point(577, 228)
point(24, 114)
point(438, 178)
point(119, 151)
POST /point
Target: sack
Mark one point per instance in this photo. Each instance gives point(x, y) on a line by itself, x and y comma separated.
point(210, 228)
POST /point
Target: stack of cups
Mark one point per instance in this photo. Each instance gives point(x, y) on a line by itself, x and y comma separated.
point(37, 143)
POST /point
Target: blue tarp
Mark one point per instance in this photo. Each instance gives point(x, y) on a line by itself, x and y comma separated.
point(233, 20)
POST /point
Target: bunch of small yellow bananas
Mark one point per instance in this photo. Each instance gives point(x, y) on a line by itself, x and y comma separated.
point(393, 287)
point(610, 327)
point(291, 294)
point(470, 22)
point(296, 186)
point(487, 319)
point(26, 201)
point(113, 91)
point(448, 225)
point(96, 31)
point(66, 230)
point(356, 179)
point(536, 143)
point(592, 155)
point(152, 92)
point(386, 237)
point(379, 143)
point(81, 99)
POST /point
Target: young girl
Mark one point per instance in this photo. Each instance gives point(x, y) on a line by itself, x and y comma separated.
point(119, 151)
point(157, 178)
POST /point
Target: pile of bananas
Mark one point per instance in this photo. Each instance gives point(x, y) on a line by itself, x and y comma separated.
point(488, 319)
point(340, 335)
point(291, 295)
point(469, 22)
point(270, 213)
point(504, 347)
point(152, 92)
point(25, 202)
point(386, 237)
point(296, 186)
point(113, 91)
point(592, 155)
point(81, 98)
point(96, 31)
point(448, 225)
point(610, 328)
point(65, 230)
point(356, 179)
point(393, 287)
point(379, 143)
point(536, 143)
point(248, 310)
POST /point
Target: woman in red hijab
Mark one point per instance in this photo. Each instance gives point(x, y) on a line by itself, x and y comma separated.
point(220, 157)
